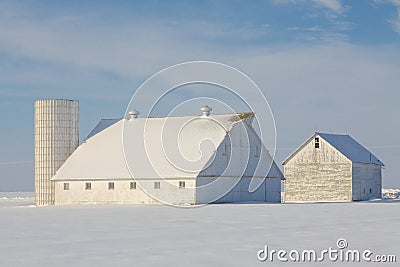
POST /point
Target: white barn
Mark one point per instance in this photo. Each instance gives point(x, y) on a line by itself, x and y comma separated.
point(332, 168)
point(222, 150)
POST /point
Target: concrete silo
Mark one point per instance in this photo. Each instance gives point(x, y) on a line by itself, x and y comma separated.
point(56, 137)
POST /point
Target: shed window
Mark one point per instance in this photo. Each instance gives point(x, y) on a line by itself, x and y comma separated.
point(111, 186)
point(182, 184)
point(316, 142)
point(88, 186)
point(157, 185)
point(132, 185)
point(66, 186)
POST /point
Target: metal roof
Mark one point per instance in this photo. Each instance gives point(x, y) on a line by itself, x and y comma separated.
point(102, 155)
point(346, 145)
point(101, 125)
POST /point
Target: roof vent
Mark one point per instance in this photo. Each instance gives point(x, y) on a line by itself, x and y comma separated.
point(206, 110)
point(133, 114)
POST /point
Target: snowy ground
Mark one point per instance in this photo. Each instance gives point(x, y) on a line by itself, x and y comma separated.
point(391, 193)
point(216, 235)
point(16, 199)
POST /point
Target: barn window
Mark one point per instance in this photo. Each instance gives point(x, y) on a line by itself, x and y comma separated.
point(182, 184)
point(157, 185)
point(132, 185)
point(316, 142)
point(111, 186)
point(88, 186)
point(66, 186)
point(225, 149)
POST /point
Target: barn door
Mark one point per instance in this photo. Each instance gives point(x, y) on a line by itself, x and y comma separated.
point(364, 189)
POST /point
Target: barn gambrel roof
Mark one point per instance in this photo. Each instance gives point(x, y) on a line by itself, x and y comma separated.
point(346, 145)
point(101, 155)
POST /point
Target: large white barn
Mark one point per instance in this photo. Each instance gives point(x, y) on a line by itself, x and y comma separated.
point(136, 160)
point(332, 167)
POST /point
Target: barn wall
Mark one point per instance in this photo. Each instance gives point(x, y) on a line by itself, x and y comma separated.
point(367, 181)
point(268, 191)
point(231, 156)
point(238, 156)
point(273, 190)
point(122, 194)
point(318, 175)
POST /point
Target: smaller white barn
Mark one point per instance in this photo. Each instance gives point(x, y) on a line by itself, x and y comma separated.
point(332, 168)
point(171, 160)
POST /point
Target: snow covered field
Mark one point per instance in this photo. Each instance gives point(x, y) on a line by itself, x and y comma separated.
point(16, 199)
point(391, 193)
point(216, 235)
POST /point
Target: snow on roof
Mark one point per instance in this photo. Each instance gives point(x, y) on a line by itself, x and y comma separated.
point(349, 147)
point(101, 156)
point(346, 145)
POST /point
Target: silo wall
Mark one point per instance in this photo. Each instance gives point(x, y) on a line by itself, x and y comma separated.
point(56, 137)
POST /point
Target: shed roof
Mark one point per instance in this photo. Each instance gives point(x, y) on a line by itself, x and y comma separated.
point(346, 145)
point(101, 156)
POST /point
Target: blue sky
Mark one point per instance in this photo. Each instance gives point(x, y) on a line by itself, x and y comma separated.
point(325, 65)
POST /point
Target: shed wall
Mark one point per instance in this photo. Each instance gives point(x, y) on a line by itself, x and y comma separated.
point(367, 181)
point(318, 175)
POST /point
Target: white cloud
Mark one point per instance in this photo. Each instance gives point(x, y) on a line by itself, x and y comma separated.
point(393, 2)
point(322, 86)
point(334, 6)
point(84, 42)
point(396, 21)
point(84, 50)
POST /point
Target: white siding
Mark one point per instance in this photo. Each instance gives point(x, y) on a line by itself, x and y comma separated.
point(318, 174)
point(367, 181)
point(273, 187)
point(234, 166)
point(239, 155)
point(122, 194)
point(268, 191)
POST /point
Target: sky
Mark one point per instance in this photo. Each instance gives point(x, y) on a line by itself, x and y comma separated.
point(324, 65)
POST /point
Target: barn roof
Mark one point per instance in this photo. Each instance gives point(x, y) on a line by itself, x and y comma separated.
point(346, 145)
point(102, 156)
point(101, 125)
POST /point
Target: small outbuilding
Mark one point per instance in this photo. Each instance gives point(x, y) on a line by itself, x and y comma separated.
point(332, 168)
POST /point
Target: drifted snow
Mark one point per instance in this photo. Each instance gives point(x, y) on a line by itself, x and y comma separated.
point(215, 235)
point(391, 193)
